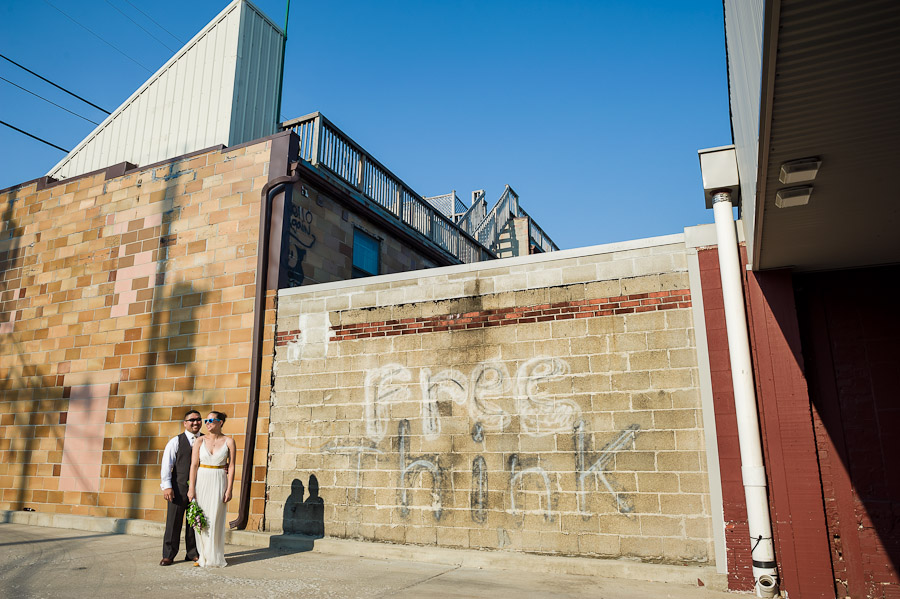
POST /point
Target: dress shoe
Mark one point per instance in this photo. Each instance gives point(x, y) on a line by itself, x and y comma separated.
point(192, 559)
point(165, 562)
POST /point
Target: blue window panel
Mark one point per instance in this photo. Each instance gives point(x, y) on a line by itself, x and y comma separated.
point(366, 254)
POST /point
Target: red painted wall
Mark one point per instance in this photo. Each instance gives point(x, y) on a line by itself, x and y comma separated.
point(795, 492)
point(737, 534)
point(851, 341)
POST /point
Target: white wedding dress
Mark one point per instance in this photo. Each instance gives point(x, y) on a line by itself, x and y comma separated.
point(210, 489)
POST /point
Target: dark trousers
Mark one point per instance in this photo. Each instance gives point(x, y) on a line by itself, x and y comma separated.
point(174, 521)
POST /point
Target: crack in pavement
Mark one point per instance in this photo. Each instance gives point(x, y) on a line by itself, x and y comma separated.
point(420, 582)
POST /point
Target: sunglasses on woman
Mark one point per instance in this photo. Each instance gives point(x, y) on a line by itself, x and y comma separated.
point(211, 420)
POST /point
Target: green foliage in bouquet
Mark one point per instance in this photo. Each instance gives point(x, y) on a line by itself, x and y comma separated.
point(195, 517)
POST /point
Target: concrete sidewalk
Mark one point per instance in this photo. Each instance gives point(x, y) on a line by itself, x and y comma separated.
point(38, 561)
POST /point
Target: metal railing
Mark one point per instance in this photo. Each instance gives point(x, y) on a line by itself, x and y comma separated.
point(475, 214)
point(537, 235)
point(449, 204)
point(326, 147)
point(488, 231)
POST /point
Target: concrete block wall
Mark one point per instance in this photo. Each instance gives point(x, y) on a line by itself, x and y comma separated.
point(545, 404)
point(124, 301)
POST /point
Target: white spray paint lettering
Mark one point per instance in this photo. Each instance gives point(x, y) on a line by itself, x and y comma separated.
point(381, 389)
point(599, 468)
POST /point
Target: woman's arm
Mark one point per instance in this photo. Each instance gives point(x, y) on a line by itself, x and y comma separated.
point(195, 465)
point(231, 452)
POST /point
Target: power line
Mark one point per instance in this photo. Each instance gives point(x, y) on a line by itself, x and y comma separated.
point(74, 95)
point(177, 39)
point(35, 137)
point(48, 101)
point(98, 37)
point(139, 25)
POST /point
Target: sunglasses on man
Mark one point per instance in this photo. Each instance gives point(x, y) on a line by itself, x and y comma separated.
point(193, 419)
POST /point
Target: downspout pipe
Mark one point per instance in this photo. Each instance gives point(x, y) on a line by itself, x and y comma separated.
point(259, 318)
point(765, 571)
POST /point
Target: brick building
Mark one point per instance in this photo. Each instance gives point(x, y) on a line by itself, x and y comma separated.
point(129, 293)
point(577, 403)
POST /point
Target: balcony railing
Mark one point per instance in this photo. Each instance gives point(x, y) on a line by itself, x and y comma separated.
point(326, 147)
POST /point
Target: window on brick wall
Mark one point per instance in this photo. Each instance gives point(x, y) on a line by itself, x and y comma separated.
point(366, 254)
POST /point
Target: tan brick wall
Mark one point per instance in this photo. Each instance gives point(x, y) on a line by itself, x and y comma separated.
point(124, 302)
point(321, 241)
point(541, 404)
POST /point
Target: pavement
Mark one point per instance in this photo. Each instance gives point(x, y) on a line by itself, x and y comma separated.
point(43, 562)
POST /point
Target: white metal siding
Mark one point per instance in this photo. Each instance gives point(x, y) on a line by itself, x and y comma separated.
point(743, 36)
point(194, 100)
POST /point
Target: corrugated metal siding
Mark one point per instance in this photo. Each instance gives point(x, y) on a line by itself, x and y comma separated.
point(192, 102)
point(258, 71)
point(743, 36)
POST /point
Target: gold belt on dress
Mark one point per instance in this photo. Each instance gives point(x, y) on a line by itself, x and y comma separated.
point(219, 467)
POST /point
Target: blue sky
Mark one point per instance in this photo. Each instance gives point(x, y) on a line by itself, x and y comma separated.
point(593, 111)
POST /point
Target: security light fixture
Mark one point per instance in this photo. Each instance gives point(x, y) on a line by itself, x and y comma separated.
point(798, 171)
point(793, 196)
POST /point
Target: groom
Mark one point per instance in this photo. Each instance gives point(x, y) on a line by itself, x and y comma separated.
point(176, 469)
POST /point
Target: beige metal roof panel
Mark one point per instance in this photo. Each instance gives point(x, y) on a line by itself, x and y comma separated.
point(218, 89)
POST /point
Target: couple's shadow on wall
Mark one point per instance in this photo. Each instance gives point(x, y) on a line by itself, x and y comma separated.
point(304, 517)
point(303, 522)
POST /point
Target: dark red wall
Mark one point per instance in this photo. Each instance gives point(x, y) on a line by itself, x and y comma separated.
point(737, 535)
point(792, 469)
point(850, 326)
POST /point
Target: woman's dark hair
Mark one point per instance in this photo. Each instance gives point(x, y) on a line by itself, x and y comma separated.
point(220, 415)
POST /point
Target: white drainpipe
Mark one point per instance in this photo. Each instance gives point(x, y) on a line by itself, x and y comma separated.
point(765, 572)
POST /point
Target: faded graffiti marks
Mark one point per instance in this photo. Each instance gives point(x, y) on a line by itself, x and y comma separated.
point(448, 385)
point(533, 404)
point(478, 501)
point(300, 239)
point(411, 468)
point(516, 475)
point(599, 468)
point(358, 450)
point(381, 388)
point(542, 414)
point(477, 432)
point(489, 380)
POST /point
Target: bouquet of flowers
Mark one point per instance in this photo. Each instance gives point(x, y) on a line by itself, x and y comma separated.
point(195, 516)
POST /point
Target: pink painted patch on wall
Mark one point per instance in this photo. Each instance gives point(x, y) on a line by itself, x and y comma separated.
point(83, 446)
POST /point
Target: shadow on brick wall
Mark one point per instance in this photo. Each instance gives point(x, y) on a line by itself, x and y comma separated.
point(21, 380)
point(169, 363)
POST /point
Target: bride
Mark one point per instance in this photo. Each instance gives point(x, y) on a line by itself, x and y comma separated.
point(212, 476)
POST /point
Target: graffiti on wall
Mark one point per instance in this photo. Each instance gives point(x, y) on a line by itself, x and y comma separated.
point(300, 239)
point(493, 398)
point(541, 413)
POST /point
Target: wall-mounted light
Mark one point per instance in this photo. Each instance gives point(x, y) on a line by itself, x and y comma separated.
point(798, 171)
point(793, 196)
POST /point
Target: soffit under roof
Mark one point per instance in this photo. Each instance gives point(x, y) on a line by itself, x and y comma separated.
point(835, 94)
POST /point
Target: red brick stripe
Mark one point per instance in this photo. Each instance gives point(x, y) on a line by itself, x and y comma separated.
point(606, 306)
point(285, 337)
